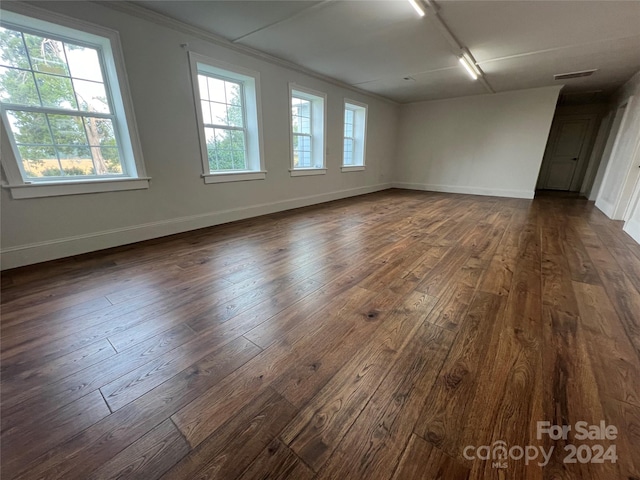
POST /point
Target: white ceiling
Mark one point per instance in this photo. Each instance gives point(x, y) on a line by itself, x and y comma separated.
point(374, 44)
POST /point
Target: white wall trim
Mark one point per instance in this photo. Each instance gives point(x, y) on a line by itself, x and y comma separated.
point(632, 227)
point(490, 192)
point(21, 255)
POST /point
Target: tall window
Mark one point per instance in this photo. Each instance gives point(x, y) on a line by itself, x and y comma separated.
point(355, 131)
point(228, 117)
point(62, 105)
point(307, 131)
point(224, 123)
point(349, 135)
point(301, 128)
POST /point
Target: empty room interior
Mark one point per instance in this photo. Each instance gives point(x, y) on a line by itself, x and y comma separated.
point(320, 239)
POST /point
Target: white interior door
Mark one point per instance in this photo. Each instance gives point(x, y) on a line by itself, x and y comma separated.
point(566, 152)
point(632, 216)
point(606, 154)
point(620, 175)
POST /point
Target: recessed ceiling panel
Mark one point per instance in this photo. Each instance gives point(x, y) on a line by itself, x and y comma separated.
point(616, 61)
point(229, 19)
point(333, 27)
point(493, 29)
point(409, 49)
point(446, 83)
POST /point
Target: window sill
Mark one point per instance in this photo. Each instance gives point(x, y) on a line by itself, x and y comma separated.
point(233, 176)
point(77, 187)
point(302, 172)
point(352, 168)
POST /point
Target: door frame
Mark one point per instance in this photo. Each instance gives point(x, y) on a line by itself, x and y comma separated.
point(612, 210)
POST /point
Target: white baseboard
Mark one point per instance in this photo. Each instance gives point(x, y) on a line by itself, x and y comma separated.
point(632, 227)
point(21, 255)
point(491, 192)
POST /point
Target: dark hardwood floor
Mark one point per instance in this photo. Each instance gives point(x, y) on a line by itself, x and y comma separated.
point(369, 338)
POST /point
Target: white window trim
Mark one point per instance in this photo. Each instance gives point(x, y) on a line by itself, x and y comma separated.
point(252, 114)
point(357, 167)
point(319, 127)
point(114, 64)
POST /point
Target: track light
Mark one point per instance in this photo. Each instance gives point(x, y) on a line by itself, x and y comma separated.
point(417, 7)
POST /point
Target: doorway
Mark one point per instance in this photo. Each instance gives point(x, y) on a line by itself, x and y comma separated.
point(567, 152)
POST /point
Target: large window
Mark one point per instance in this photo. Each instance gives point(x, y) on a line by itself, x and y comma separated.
point(63, 109)
point(307, 131)
point(355, 132)
point(228, 116)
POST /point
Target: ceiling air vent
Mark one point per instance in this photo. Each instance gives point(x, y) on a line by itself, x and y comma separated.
point(566, 76)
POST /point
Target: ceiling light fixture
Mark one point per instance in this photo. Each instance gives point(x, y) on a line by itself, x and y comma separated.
point(417, 7)
point(468, 66)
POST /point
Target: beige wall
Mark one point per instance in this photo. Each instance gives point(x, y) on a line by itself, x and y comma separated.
point(485, 145)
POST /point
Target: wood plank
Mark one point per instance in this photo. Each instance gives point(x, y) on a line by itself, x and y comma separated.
point(280, 462)
point(18, 377)
point(373, 445)
point(447, 406)
point(422, 461)
point(315, 432)
point(23, 445)
point(42, 400)
point(615, 364)
point(147, 458)
point(233, 447)
point(626, 418)
point(78, 457)
point(302, 380)
point(203, 416)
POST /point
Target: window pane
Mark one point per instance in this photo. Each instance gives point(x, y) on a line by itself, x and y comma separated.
point(30, 127)
point(12, 51)
point(219, 113)
point(67, 130)
point(349, 117)
point(216, 90)
point(233, 93)
point(235, 116)
point(225, 149)
point(84, 62)
point(46, 55)
point(111, 158)
point(91, 96)
point(56, 92)
point(239, 162)
point(348, 151)
point(76, 161)
point(18, 87)
point(100, 131)
point(202, 86)
point(206, 112)
point(39, 161)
